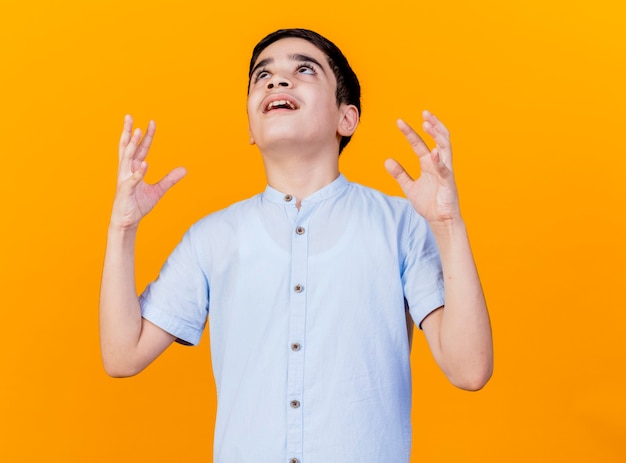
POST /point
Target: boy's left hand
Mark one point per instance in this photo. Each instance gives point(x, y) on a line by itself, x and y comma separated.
point(434, 194)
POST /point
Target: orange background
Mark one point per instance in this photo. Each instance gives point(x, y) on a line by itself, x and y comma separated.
point(534, 94)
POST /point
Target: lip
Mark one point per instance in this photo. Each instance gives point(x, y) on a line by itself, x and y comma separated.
point(279, 97)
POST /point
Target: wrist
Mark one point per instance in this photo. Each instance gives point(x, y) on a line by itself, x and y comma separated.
point(448, 221)
point(121, 228)
point(449, 226)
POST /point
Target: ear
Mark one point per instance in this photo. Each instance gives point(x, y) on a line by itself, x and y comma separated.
point(348, 121)
point(252, 142)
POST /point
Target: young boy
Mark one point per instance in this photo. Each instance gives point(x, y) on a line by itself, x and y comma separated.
point(307, 284)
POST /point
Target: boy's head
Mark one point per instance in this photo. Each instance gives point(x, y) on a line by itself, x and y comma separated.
point(348, 88)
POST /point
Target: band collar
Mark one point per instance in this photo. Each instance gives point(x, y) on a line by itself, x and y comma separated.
point(334, 188)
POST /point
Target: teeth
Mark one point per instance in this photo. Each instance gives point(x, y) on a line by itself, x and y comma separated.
point(278, 103)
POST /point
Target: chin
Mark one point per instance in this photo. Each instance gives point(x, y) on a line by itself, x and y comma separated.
point(281, 137)
point(278, 144)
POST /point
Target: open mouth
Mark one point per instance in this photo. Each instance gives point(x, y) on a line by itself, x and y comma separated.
point(280, 102)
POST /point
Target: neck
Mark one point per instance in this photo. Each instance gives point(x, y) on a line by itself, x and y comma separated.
point(301, 174)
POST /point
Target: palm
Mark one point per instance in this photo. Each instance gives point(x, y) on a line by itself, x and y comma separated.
point(135, 198)
point(433, 194)
point(144, 197)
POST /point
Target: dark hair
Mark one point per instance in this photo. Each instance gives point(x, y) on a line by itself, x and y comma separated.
point(348, 87)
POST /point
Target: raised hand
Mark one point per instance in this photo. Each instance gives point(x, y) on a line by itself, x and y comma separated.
point(434, 194)
point(459, 334)
point(134, 197)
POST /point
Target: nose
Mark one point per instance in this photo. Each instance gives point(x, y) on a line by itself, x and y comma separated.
point(278, 81)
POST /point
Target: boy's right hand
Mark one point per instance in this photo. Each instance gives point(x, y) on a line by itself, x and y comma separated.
point(134, 197)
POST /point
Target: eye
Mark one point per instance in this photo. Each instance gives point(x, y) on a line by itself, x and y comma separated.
point(306, 68)
point(261, 74)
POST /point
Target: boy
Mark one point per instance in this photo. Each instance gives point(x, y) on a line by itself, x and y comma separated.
point(307, 283)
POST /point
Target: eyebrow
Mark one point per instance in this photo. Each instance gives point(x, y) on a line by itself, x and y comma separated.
point(299, 57)
point(293, 57)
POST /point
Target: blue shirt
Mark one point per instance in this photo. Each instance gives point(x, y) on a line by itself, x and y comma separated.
point(307, 321)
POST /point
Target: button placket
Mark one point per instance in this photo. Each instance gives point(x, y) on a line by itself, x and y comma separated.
point(297, 320)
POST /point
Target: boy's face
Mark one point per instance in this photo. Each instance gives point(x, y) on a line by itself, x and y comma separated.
point(292, 97)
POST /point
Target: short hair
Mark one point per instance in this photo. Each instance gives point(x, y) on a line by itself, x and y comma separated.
point(348, 87)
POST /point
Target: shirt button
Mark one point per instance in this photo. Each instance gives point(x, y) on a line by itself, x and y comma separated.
point(288, 198)
point(300, 230)
point(294, 460)
point(298, 288)
point(295, 346)
point(294, 404)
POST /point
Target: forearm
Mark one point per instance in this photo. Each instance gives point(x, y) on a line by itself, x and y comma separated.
point(464, 343)
point(120, 314)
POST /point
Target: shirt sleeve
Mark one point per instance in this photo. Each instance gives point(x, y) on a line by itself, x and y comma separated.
point(422, 275)
point(178, 300)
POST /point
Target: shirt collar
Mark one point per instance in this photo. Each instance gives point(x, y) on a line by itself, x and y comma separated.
point(334, 188)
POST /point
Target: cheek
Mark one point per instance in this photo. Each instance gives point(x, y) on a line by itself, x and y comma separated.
point(329, 112)
point(253, 99)
point(251, 131)
point(250, 111)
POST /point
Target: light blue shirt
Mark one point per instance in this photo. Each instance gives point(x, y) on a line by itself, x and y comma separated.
point(307, 321)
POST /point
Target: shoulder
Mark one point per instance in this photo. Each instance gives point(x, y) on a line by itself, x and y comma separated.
point(229, 216)
point(377, 201)
point(217, 228)
point(387, 210)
